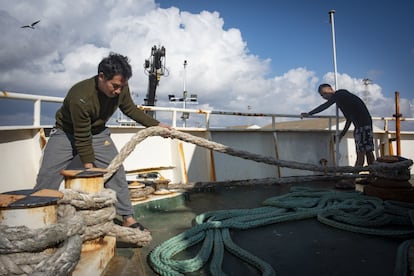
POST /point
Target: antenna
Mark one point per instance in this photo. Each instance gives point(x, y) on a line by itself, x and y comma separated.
point(365, 94)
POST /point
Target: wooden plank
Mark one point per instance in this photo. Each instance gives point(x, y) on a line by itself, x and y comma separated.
point(6, 200)
point(48, 193)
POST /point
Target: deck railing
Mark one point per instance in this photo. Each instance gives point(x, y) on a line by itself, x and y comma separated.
point(174, 112)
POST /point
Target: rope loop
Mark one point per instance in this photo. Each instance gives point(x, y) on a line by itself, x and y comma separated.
point(80, 220)
point(350, 211)
point(174, 134)
point(55, 249)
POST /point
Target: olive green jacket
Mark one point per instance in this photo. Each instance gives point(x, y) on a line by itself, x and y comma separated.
point(86, 110)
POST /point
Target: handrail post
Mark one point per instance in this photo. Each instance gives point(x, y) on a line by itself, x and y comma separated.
point(208, 120)
point(397, 116)
point(36, 112)
point(174, 118)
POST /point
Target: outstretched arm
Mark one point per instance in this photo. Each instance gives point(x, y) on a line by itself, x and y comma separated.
point(322, 107)
point(346, 127)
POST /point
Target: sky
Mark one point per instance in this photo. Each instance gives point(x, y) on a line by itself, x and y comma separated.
point(263, 56)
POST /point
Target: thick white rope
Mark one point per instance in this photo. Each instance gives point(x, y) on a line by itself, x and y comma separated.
point(22, 250)
point(174, 134)
point(55, 249)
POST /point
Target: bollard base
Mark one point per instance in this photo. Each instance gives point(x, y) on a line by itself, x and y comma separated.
point(94, 262)
point(397, 194)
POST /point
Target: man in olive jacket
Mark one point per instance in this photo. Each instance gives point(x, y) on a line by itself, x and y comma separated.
point(80, 130)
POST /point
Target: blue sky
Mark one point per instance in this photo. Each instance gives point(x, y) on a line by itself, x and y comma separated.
point(373, 38)
point(259, 56)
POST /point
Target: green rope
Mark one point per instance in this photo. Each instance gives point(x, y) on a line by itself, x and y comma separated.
point(402, 267)
point(350, 211)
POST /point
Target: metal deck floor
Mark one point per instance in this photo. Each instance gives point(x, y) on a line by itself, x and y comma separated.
point(305, 247)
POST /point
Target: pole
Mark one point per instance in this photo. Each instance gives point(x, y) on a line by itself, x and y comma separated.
point(397, 116)
point(184, 86)
point(331, 20)
point(184, 93)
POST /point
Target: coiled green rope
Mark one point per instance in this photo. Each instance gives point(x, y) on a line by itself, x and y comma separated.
point(350, 211)
point(401, 267)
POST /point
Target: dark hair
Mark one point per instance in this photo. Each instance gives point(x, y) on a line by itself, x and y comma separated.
point(323, 85)
point(115, 64)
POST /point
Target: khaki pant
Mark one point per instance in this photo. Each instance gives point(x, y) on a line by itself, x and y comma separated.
point(60, 154)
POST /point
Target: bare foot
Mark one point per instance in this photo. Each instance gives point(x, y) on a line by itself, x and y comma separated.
point(129, 221)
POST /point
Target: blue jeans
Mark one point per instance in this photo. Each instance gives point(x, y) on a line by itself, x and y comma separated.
point(60, 152)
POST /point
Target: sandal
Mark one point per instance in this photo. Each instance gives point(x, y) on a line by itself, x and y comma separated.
point(134, 225)
point(138, 225)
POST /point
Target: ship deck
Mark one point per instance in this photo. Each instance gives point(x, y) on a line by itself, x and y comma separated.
point(305, 247)
point(292, 248)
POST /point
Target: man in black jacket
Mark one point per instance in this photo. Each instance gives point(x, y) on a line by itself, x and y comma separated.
point(356, 112)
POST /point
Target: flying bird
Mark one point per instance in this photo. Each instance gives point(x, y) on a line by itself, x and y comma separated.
point(31, 26)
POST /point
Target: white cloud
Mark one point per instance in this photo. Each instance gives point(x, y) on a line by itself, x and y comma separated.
point(73, 36)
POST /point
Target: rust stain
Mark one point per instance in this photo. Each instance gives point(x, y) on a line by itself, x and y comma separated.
point(200, 111)
point(42, 138)
point(6, 200)
point(102, 253)
point(213, 167)
point(276, 147)
point(182, 157)
point(5, 94)
point(47, 214)
point(93, 245)
point(143, 107)
point(50, 215)
point(102, 264)
point(239, 113)
point(87, 185)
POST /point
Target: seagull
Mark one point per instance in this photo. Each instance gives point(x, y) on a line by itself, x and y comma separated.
point(31, 26)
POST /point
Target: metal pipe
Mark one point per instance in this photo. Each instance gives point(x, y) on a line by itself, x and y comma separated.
point(174, 119)
point(14, 95)
point(397, 116)
point(37, 112)
point(331, 20)
point(184, 92)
